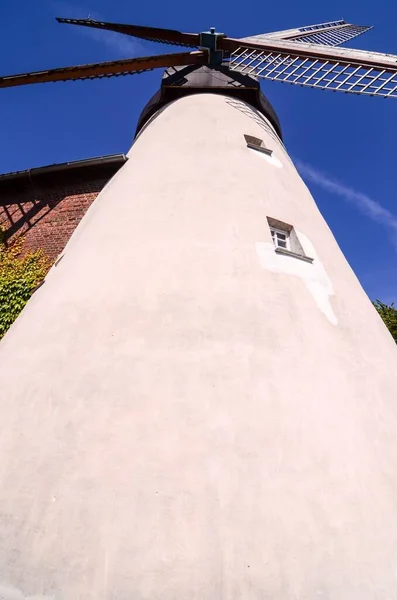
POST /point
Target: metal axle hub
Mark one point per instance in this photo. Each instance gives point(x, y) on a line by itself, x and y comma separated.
point(209, 41)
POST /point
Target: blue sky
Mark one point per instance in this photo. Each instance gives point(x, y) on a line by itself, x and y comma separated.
point(345, 145)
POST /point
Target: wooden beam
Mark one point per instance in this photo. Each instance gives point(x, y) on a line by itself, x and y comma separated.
point(155, 34)
point(128, 66)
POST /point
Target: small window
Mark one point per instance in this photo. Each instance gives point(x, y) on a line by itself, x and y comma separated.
point(280, 238)
point(257, 144)
point(285, 240)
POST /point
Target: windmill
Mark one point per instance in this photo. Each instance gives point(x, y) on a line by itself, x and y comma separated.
point(200, 401)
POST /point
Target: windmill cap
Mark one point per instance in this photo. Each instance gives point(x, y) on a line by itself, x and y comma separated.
point(178, 82)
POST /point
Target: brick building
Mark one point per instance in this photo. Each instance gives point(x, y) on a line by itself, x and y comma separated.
point(46, 204)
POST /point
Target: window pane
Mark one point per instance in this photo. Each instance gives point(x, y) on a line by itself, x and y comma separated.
point(280, 238)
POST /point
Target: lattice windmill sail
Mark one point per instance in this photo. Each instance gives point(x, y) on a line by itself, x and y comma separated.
point(333, 33)
point(200, 401)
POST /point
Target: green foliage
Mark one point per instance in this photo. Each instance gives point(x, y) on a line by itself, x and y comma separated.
point(389, 316)
point(20, 273)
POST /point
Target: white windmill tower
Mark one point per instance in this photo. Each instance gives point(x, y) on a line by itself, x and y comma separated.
point(200, 402)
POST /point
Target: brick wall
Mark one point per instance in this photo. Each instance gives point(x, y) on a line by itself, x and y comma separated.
point(46, 208)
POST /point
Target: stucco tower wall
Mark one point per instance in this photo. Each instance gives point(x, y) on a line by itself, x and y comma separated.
point(186, 414)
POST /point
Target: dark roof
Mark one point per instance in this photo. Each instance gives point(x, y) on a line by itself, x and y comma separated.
point(183, 81)
point(110, 159)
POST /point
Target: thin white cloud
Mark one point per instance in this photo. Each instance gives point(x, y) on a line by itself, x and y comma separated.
point(365, 204)
point(122, 45)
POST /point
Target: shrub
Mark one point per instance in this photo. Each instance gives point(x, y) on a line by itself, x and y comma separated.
point(389, 316)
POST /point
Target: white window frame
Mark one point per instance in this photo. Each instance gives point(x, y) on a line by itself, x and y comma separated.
point(275, 231)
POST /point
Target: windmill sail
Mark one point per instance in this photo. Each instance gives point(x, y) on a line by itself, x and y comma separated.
point(333, 33)
point(338, 70)
point(153, 34)
point(116, 68)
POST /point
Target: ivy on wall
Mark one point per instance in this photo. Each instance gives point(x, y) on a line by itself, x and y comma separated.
point(20, 273)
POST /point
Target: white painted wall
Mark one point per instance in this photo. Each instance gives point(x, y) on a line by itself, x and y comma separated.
point(186, 414)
